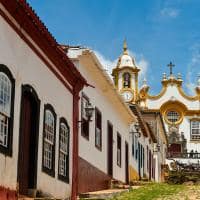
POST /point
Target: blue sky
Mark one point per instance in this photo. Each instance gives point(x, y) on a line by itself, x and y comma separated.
point(157, 31)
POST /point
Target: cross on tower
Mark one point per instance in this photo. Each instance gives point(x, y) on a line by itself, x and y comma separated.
point(170, 65)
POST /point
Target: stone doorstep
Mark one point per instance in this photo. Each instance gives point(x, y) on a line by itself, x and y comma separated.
point(103, 194)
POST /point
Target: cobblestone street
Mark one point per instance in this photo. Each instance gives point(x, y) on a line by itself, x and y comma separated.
point(188, 193)
point(162, 192)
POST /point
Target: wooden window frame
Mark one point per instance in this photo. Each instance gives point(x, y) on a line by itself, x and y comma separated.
point(86, 136)
point(194, 136)
point(61, 177)
point(97, 111)
point(119, 162)
point(9, 149)
point(50, 172)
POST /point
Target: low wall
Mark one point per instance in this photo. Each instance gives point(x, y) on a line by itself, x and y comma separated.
point(91, 178)
point(7, 194)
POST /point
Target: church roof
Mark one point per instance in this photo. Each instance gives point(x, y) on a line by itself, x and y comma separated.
point(126, 60)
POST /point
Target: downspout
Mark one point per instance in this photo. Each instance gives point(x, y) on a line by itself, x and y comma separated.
point(75, 149)
point(77, 88)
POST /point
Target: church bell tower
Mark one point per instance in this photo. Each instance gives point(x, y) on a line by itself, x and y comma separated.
point(125, 76)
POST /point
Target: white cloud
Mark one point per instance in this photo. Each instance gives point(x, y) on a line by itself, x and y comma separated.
point(170, 12)
point(142, 64)
point(193, 69)
point(106, 62)
point(109, 64)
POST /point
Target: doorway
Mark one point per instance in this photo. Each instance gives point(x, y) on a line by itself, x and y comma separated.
point(126, 163)
point(110, 149)
point(150, 165)
point(139, 160)
point(28, 140)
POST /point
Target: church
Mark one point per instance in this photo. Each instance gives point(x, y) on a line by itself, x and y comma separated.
point(180, 112)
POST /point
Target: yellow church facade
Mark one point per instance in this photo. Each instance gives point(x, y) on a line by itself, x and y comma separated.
point(180, 112)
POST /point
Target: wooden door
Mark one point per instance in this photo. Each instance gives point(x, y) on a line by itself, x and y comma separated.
point(150, 165)
point(28, 144)
point(174, 149)
point(110, 149)
point(139, 160)
point(24, 146)
point(126, 163)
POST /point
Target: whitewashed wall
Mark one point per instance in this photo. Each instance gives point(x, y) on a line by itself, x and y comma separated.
point(27, 68)
point(172, 93)
point(87, 149)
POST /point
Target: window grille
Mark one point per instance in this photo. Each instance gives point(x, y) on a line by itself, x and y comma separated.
point(195, 130)
point(98, 129)
point(49, 131)
point(5, 107)
point(119, 149)
point(85, 122)
point(173, 116)
point(64, 150)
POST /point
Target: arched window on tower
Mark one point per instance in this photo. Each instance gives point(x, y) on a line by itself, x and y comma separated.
point(126, 80)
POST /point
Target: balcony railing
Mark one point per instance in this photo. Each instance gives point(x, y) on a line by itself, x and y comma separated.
point(183, 155)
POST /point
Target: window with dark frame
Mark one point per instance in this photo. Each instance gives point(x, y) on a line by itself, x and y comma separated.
point(195, 130)
point(136, 148)
point(63, 161)
point(7, 91)
point(49, 138)
point(98, 129)
point(119, 150)
point(84, 120)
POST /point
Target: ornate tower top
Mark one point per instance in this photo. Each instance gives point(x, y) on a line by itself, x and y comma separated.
point(125, 48)
point(125, 60)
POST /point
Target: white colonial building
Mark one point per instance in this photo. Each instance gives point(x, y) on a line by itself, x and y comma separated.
point(105, 143)
point(39, 92)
